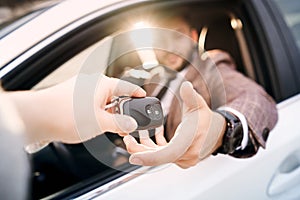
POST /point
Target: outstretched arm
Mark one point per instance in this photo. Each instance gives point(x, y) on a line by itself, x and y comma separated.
point(49, 114)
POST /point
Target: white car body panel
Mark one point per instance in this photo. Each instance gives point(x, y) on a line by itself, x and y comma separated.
point(224, 177)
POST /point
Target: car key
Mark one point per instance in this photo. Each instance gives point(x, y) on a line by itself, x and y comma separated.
point(147, 111)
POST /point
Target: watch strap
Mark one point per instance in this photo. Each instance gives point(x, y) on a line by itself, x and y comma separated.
point(233, 136)
point(243, 120)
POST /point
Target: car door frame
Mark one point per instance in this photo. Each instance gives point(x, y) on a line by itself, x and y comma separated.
point(273, 50)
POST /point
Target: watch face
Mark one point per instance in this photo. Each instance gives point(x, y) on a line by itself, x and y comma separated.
point(146, 111)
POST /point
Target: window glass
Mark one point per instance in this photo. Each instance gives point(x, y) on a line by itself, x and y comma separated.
point(291, 11)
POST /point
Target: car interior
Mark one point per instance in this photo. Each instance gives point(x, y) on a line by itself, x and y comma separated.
point(64, 170)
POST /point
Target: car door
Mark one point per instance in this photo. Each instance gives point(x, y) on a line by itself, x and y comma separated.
point(69, 171)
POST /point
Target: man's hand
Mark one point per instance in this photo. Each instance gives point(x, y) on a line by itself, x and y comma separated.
point(198, 135)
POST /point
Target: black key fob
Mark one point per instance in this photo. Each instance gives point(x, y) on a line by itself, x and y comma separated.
point(147, 111)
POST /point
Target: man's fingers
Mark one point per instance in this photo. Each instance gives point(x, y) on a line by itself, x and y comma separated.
point(145, 139)
point(178, 145)
point(133, 146)
point(159, 136)
point(191, 99)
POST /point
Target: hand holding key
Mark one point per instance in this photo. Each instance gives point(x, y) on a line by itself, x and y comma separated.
point(147, 111)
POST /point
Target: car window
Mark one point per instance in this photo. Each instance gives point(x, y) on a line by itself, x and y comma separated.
point(122, 53)
point(73, 66)
point(291, 11)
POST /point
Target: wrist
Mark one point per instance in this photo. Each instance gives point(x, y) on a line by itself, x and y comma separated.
point(221, 130)
point(236, 133)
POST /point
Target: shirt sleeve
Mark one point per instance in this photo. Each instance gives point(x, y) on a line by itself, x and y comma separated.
point(246, 96)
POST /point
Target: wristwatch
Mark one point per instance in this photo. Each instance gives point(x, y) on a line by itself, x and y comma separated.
point(236, 133)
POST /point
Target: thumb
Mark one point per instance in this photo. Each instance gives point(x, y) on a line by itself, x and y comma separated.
point(118, 123)
point(191, 99)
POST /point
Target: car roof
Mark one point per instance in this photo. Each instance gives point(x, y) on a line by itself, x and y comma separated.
point(51, 21)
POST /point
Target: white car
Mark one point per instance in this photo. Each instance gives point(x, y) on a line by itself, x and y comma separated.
point(52, 43)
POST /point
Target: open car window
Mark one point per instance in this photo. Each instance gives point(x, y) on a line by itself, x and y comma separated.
point(127, 51)
point(73, 66)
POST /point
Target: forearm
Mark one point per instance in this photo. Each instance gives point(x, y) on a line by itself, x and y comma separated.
point(252, 101)
point(59, 114)
point(35, 112)
point(247, 97)
point(255, 104)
